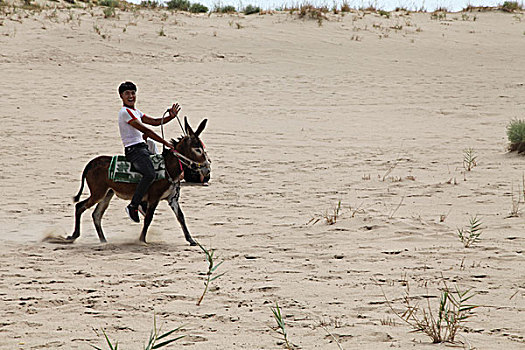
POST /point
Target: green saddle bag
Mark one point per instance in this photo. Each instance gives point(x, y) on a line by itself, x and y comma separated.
point(120, 170)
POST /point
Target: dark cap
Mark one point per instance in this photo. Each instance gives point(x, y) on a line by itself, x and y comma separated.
point(128, 85)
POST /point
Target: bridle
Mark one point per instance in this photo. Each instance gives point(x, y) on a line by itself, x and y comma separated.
point(189, 163)
point(193, 165)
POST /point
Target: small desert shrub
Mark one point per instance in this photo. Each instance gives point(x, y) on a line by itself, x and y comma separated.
point(443, 324)
point(316, 13)
point(150, 4)
point(225, 9)
point(345, 7)
point(438, 16)
point(198, 8)
point(516, 135)
point(384, 13)
point(370, 8)
point(469, 159)
point(470, 235)
point(109, 3)
point(109, 12)
point(250, 9)
point(510, 6)
point(181, 5)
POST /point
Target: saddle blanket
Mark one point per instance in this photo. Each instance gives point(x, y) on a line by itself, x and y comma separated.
point(120, 170)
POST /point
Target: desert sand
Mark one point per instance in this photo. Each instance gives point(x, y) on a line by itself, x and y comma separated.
point(373, 112)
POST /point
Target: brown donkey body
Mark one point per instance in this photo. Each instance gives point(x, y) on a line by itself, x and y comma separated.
point(189, 150)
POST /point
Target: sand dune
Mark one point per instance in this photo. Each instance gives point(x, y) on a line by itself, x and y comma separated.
point(370, 111)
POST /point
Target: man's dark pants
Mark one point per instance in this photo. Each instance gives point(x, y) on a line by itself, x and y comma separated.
point(139, 156)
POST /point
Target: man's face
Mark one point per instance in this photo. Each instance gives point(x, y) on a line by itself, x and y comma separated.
point(129, 97)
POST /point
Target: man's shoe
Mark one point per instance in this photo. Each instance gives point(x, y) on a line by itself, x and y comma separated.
point(143, 208)
point(133, 213)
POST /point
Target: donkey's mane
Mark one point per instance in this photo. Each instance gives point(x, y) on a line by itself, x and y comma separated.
point(175, 142)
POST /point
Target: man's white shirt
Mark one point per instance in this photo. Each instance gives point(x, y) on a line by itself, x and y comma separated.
point(130, 136)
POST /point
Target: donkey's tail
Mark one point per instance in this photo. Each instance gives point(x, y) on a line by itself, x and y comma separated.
point(84, 173)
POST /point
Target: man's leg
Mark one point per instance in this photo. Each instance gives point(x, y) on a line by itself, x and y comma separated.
point(139, 156)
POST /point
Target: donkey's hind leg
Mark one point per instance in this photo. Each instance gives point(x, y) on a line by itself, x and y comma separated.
point(80, 208)
point(173, 201)
point(99, 212)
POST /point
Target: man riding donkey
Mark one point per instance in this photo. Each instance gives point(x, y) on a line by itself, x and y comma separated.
point(134, 134)
point(107, 176)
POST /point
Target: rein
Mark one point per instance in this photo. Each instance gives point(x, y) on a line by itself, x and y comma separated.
point(162, 124)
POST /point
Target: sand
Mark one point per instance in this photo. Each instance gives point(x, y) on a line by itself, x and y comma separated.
point(368, 111)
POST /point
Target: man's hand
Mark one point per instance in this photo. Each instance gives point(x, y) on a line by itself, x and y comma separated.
point(169, 146)
point(174, 110)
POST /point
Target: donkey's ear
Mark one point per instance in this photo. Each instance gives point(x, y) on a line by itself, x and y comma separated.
point(189, 130)
point(201, 127)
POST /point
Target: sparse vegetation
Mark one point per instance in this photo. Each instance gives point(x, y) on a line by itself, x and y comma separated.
point(153, 341)
point(465, 17)
point(150, 4)
point(438, 16)
point(109, 12)
point(441, 326)
point(181, 5)
point(250, 9)
point(109, 3)
point(98, 30)
point(330, 216)
point(345, 7)
point(393, 212)
point(384, 13)
point(281, 328)
point(469, 159)
point(225, 9)
point(211, 269)
point(517, 202)
point(198, 8)
point(516, 135)
point(470, 235)
point(510, 6)
point(316, 13)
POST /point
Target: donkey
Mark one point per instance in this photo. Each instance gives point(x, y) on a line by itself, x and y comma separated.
point(189, 151)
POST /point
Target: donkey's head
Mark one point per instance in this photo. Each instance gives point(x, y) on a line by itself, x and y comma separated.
point(191, 147)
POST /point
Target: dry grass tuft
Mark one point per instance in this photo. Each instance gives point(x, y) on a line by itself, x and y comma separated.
point(330, 216)
point(443, 324)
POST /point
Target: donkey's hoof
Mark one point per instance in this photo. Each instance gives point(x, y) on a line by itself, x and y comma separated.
point(59, 240)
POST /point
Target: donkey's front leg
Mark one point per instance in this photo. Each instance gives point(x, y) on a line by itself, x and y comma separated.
point(173, 201)
point(147, 220)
